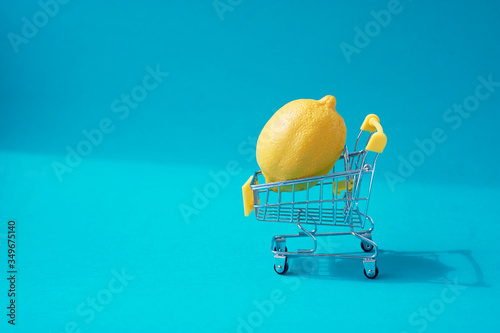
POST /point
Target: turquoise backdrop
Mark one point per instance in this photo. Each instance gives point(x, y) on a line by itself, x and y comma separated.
point(127, 129)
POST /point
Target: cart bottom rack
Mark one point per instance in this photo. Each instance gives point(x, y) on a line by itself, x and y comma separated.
point(370, 248)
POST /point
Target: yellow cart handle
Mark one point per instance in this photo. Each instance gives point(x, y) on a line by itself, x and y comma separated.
point(378, 140)
point(247, 197)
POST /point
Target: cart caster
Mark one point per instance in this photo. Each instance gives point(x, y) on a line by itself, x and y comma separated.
point(280, 260)
point(372, 274)
point(367, 247)
point(370, 268)
point(281, 270)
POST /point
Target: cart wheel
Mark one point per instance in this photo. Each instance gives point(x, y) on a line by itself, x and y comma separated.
point(374, 275)
point(367, 247)
point(284, 270)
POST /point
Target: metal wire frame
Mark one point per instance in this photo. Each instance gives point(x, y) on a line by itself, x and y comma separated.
point(319, 204)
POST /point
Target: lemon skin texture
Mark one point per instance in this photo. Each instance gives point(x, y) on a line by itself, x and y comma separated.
point(302, 139)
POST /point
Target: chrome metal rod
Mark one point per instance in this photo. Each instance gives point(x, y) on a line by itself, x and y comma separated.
point(315, 243)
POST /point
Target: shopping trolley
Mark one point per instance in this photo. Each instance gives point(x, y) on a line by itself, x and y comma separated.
point(337, 199)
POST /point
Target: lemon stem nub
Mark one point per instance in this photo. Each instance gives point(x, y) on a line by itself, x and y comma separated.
point(329, 101)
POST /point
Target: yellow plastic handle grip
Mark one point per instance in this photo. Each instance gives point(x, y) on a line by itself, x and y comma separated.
point(378, 140)
point(247, 197)
point(367, 126)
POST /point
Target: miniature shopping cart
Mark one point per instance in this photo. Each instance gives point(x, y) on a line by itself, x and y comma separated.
point(337, 199)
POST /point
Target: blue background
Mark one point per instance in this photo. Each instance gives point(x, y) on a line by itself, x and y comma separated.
point(119, 210)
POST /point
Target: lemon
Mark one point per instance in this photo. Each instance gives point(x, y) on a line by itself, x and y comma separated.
point(302, 139)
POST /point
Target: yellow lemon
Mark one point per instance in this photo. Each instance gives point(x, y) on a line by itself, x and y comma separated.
point(302, 139)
